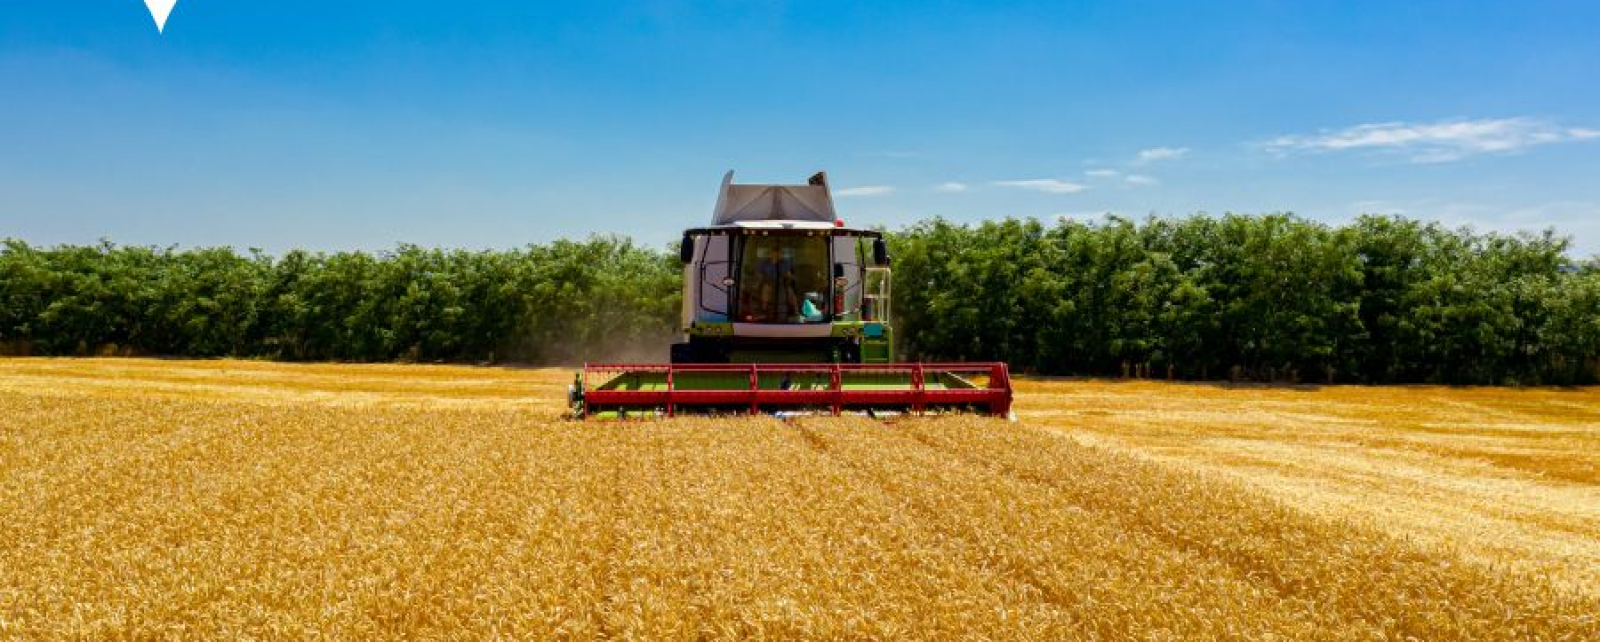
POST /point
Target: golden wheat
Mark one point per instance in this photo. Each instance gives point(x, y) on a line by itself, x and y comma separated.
point(1507, 477)
point(183, 500)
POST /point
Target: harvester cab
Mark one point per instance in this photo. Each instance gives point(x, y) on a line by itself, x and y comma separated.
point(786, 310)
point(778, 278)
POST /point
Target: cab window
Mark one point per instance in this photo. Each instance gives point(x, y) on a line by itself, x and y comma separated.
point(784, 279)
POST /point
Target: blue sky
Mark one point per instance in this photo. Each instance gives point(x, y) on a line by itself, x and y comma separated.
point(494, 124)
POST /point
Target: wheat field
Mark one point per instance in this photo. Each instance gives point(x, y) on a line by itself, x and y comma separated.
point(146, 499)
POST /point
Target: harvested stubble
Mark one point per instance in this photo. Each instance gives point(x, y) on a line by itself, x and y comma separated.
point(222, 500)
point(1506, 477)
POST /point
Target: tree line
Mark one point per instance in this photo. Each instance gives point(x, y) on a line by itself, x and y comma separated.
point(1276, 297)
point(1379, 300)
point(543, 303)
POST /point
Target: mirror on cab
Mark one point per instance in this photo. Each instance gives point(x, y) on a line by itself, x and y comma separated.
point(686, 249)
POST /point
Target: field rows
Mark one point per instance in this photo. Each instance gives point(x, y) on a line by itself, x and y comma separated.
point(430, 503)
point(1505, 477)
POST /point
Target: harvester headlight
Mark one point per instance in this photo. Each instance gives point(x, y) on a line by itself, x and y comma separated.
point(727, 281)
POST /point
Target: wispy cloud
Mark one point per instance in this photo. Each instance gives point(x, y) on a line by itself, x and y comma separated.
point(1139, 180)
point(867, 190)
point(1162, 153)
point(952, 187)
point(1047, 185)
point(1436, 142)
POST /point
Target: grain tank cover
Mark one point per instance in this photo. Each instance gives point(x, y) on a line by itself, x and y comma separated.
point(744, 203)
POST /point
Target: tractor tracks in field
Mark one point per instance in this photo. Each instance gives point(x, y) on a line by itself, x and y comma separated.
point(1132, 522)
point(1083, 563)
point(933, 524)
point(1300, 557)
point(815, 441)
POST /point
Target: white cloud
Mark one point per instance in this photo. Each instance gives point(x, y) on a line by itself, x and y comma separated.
point(1162, 153)
point(952, 187)
point(1140, 179)
point(1102, 173)
point(867, 190)
point(1047, 185)
point(1436, 142)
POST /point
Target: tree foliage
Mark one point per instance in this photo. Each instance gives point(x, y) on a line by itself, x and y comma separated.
point(557, 302)
point(1381, 300)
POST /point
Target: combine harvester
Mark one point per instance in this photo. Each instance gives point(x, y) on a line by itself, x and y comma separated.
point(786, 311)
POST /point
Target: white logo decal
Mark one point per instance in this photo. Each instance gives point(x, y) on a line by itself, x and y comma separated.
point(160, 9)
